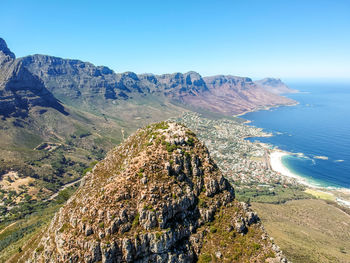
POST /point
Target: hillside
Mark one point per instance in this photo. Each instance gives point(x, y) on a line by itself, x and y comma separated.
point(44, 144)
point(275, 86)
point(20, 90)
point(157, 197)
point(308, 230)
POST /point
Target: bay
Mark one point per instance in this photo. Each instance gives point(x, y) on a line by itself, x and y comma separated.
point(317, 131)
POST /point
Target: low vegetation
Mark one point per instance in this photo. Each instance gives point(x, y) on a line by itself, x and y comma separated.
point(17, 237)
point(272, 194)
point(308, 230)
point(223, 245)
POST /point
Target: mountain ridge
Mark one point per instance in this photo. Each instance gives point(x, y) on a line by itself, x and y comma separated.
point(20, 90)
point(75, 81)
point(275, 86)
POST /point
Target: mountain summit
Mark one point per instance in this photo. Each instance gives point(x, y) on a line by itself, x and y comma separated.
point(157, 197)
point(20, 90)
point(5, 52)
point(275, 86)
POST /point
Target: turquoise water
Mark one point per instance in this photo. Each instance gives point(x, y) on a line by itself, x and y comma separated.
point(318, 126)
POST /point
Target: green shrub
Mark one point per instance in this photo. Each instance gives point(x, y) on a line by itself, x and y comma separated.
point(190, 141)
point(40, 249)
point(158, 235)
point(148, 207)
point(170, 147)
point(136, 220)
point(161, 126)
point(256, 246)
point(213, 229)
point(202, 203)
point(63, 228)
point(205, 258)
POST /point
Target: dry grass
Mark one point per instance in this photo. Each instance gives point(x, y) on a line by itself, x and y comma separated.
point(308, 230)
point(321, 194)
point(11, 181)
point(25, 244)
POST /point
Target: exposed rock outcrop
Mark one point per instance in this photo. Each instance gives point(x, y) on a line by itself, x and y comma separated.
point(158, 197)
point(40, 79)
point(76, 82)
point(20, 90)
point(5, 53)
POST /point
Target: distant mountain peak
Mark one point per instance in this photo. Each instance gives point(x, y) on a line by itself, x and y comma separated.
point(21, 90)
point(5, 53)
point(274, 85)
point(4, 49)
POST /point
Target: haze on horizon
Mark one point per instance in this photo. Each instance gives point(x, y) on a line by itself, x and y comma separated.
point(286, 39)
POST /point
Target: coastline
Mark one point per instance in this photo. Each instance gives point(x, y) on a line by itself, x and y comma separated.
point(265, 108)
point(338, 195)
point(278, 166)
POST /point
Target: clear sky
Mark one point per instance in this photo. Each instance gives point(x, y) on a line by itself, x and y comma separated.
point(277, 38)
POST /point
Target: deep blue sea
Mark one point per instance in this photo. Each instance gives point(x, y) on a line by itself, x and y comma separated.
point(318, 126)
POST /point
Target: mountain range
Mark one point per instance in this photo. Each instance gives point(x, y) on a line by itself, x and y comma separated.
point(51, 106)
point(58, 117)
point(52, 109)
point(79, 83)
point(47, 81)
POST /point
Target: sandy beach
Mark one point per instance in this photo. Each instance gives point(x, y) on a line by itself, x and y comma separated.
point(341, 195)
point(277, 165)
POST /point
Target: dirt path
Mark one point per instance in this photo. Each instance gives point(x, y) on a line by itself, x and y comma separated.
point(62, 188)
point(2, 231)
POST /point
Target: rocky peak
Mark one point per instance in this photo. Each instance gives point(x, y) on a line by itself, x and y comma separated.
point(5, 53)
point(20, 90)
point(157, 197)
point(180, 85)
point(194, 78)
point(233, 81)
point(275, 86)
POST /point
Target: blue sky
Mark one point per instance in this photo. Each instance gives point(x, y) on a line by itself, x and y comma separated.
point(277, 38)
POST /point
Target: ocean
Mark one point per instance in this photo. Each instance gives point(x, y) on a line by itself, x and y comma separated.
point(316, 131)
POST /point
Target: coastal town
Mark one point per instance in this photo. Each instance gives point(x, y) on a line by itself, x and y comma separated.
point(239, 159)
point(251, 166)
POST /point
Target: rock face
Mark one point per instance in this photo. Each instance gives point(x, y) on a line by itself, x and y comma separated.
point(232, 95)
point(158, 197)
point(20, 90)
point(72, 79)
point(275, 86)
point(40, 79)
point(5, 53)
point(76, 82)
